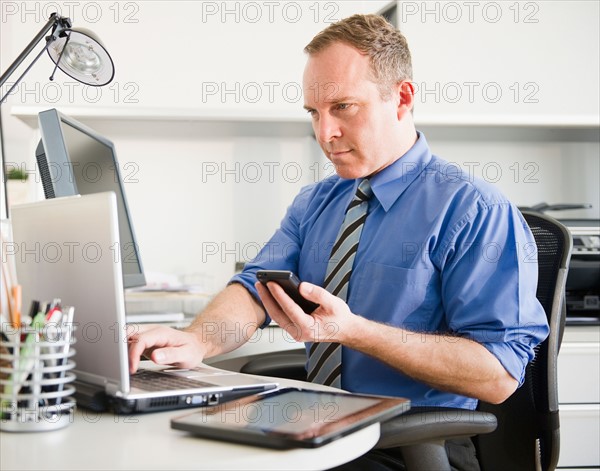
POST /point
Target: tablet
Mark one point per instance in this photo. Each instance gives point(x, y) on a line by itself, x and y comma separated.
point(290, 417)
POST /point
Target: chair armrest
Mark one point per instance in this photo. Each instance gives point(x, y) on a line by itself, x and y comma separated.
point(434, 424)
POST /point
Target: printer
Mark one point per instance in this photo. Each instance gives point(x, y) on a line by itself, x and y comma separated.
point(583, 280)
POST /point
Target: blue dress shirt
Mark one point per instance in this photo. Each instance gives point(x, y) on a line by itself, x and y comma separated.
point(440, 252)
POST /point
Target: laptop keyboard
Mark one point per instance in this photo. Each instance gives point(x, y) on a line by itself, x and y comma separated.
point(156, 381)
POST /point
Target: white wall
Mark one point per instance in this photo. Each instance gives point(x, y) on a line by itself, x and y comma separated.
point(197, 200)
point(504, 59)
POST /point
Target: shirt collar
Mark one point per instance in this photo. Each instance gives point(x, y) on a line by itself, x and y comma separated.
point(393, 180)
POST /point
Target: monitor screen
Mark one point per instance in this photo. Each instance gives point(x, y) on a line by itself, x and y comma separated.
point(75, 160)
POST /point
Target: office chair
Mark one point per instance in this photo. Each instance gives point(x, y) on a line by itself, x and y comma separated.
point(520, 434)
point(528, 434)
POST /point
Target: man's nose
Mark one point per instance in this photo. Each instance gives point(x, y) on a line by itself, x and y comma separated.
point(328, 128)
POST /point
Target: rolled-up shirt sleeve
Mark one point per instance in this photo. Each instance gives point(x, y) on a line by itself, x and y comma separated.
point(489, 282)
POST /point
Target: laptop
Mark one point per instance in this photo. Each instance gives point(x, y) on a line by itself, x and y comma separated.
point(68, 248)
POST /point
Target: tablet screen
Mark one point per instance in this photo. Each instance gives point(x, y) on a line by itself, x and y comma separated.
point(290, 417)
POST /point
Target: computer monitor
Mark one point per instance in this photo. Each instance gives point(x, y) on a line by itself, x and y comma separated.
point(75, 160)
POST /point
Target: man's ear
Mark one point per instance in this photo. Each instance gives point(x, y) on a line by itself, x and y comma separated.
point(406, 97)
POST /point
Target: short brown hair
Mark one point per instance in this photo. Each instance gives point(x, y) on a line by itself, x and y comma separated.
point(374, 36)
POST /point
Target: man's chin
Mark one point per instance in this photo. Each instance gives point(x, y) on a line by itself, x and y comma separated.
point(348, 172)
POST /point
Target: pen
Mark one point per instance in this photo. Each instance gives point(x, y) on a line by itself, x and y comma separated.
point(16, 306)
point(54, 319)
point(34, 309)
point(6, 282)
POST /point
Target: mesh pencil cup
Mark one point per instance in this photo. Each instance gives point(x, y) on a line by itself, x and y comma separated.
point(36, 376)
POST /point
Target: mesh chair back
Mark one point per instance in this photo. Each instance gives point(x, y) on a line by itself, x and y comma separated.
point(527, 437)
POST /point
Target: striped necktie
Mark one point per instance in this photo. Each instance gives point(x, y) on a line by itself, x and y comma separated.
point(325, 358)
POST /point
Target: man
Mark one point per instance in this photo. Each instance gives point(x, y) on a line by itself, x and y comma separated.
point(436, 296)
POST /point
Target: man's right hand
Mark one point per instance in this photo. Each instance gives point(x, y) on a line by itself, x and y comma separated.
point(225, 324)
point(164, 346)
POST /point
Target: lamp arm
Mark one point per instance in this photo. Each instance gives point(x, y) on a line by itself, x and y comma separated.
point(59, 23)
point(59, 57)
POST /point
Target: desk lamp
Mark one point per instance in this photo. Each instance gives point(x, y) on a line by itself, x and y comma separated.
point(78, 53)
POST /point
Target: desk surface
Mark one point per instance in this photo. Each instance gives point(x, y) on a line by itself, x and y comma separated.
point(107, 441)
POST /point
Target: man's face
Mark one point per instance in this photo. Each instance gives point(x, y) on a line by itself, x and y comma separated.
point(357, 130)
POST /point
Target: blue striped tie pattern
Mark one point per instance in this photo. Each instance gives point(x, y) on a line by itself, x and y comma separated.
point(325, 358)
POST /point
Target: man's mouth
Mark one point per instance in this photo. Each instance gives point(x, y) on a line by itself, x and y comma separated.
point(338, 153)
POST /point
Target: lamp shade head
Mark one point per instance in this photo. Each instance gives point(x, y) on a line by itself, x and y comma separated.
point(81, 55)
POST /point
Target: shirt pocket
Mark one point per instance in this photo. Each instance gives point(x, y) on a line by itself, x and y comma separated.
point(391, 294)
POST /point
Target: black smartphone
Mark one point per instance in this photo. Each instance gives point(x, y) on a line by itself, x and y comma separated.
point(290, 284)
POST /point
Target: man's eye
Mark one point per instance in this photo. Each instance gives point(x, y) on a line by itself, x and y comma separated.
point(312, 112)
point(342, 106)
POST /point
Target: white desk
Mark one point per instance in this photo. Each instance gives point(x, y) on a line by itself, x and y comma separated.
point(107, 441)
